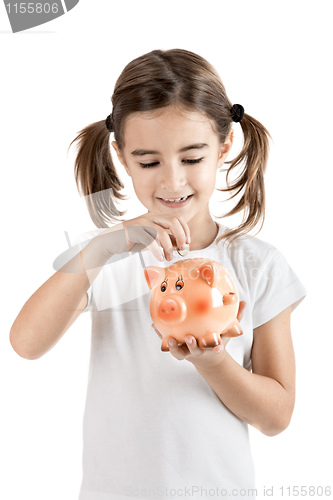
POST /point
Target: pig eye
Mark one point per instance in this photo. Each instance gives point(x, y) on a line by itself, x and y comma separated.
point(179, 283)
point(164, 285)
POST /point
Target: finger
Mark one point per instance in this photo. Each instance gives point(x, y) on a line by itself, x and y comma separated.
point(176, 351)
point(192, 345)
point(186, 229)
point(156, 250)
point(165, 243)
point(178, 229)
point(141, 238)
point(224, 340)
point(178, 232)
point(220, 347)
point(156, 331)
point(242, 305)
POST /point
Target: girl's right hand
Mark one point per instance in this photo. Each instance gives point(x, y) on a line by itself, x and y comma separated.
point(154, 232)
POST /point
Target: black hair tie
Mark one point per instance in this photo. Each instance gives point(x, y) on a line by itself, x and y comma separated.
point(109, 123)
point(237, 112)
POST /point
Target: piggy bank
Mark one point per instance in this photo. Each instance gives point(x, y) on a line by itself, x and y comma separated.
point(196, 297)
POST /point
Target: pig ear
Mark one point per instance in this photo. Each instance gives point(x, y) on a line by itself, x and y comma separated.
point(209, 272)
point(154, 275)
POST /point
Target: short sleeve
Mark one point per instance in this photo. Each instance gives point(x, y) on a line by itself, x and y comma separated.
point(90, 299)
point(277, 287)
point(77, 244)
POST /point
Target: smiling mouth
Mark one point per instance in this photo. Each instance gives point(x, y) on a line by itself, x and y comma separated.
point(175, 202)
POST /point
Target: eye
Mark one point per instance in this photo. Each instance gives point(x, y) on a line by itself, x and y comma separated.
point(192, 162)
point(149, 165)
point(164, 285)
point(179, 283)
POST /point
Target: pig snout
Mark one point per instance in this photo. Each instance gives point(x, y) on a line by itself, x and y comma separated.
point(171, 311)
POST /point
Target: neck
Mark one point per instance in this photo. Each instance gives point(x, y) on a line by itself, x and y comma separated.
point(203, 234)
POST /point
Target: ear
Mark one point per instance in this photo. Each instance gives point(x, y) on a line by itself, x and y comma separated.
point(120, 156)
point(209, 272)
point(154, 275)
point(225, 148)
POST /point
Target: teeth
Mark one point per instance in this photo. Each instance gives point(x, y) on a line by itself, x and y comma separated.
point(175, 200)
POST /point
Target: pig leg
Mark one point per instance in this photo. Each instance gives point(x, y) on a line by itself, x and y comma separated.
point(164, 346)
point(234, 331)
point(209, 340)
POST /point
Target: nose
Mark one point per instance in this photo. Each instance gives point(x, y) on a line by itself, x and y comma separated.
point(171, 311)
point(173, 177)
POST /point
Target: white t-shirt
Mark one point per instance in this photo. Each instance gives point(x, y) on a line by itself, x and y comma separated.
point(153, 428)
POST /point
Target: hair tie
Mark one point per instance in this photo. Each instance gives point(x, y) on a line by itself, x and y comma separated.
point(237, 112)
point(109, 123)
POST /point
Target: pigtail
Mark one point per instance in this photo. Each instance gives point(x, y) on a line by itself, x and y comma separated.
point(95, 175)
point(250, 182)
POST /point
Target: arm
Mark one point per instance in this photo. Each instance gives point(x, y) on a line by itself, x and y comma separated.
point(51, 310)
point(264, 398)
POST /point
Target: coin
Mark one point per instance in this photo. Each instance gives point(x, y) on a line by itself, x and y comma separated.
point(184, 252)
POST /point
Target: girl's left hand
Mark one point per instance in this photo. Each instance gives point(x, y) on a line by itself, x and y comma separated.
point(201, 358)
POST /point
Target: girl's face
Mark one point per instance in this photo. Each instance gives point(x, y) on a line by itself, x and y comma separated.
point(172, 155)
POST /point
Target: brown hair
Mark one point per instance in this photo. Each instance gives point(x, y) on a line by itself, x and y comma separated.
point(155, 80)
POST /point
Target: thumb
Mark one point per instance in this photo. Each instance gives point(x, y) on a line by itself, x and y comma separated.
point(158, 333)
point(242, 305)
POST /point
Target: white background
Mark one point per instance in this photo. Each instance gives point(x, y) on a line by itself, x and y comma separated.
point(274, 58)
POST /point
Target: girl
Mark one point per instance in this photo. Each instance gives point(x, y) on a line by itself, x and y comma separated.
point(155, 426)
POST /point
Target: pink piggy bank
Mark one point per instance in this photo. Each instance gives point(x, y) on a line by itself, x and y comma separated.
point(196, 297)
